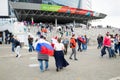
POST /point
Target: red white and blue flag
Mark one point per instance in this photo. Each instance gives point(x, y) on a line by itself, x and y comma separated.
point(44, 47)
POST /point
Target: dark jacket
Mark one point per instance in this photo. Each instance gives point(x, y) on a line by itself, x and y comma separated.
point(17, 43)
point(30, 40)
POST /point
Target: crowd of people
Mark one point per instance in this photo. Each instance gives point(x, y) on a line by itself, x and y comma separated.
point(109, 42)
point(61, 44)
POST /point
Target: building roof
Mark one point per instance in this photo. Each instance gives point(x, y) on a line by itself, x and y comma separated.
point(48, 13)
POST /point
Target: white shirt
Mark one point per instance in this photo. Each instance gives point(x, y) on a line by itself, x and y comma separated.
point(59, 46)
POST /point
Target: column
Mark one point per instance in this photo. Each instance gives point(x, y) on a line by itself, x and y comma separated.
point(55, 22)
point(73, 23)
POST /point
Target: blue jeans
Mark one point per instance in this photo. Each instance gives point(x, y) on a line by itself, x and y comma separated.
point(41, 65)
point(99, 45)
point(119, 49)
point(13, 47)
point(116, 48)
point(113, 53)
point(103, 52)
point(84, 46)
point(31, 48)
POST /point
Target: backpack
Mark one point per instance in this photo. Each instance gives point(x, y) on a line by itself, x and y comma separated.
point(84, 41)
point(72, 44)
point(80, 39)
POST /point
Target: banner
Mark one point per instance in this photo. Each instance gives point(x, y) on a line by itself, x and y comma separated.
point(46, 7)
point(65, 9)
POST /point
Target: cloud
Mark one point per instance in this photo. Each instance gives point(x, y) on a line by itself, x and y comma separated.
point(109, 7)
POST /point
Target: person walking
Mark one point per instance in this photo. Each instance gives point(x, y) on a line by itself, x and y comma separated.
point(59, 55)
point(116, 42)
point(65, 42)
point(112, 47)
point(30, 42)
point(100, 41)
point(119, 44)
point(106, 45)
point(13, 45)
point(43, 58)
point(73, 47)
point(79, 42)
point(84, 43)
point(17, 47)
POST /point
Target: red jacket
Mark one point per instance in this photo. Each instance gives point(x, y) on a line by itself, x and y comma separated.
point(107, 41)
point(72, 43)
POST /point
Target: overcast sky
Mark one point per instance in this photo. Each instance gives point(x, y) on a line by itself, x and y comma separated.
point(109, 7)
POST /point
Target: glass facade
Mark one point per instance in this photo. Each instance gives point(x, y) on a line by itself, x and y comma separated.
point(71, 3)
point(84, 4)
point(31, 1)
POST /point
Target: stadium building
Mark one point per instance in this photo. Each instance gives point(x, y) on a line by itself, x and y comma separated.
point(53, 11)
point(47, 11)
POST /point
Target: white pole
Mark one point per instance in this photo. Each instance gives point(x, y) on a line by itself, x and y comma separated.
point(73, 23)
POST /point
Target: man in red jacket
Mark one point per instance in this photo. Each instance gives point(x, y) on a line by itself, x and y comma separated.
point(106, 45)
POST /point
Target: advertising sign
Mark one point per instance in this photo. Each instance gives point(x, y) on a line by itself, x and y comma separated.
point(65, 9)
point(46, 7)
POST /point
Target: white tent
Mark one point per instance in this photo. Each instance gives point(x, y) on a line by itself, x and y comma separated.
point(18, 29)
point(8, 27)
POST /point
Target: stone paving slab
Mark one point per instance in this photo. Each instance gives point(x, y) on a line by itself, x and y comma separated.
point(90, 66)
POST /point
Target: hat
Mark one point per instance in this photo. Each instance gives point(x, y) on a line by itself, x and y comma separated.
point(73, 34)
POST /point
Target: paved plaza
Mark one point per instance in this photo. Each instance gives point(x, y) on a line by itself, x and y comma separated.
point(90, 66)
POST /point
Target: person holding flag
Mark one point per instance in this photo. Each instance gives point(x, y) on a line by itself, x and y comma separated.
point(44, 50)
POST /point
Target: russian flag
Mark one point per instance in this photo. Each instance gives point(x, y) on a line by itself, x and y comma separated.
point(44, 47)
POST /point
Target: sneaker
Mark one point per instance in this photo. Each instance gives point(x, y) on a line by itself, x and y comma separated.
point(19, 56)
point(61, 67)
point(42, 70)
point(70, 58)
point(116, 51)
point(76, 59)
point(57, 69)
point(16, 55)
